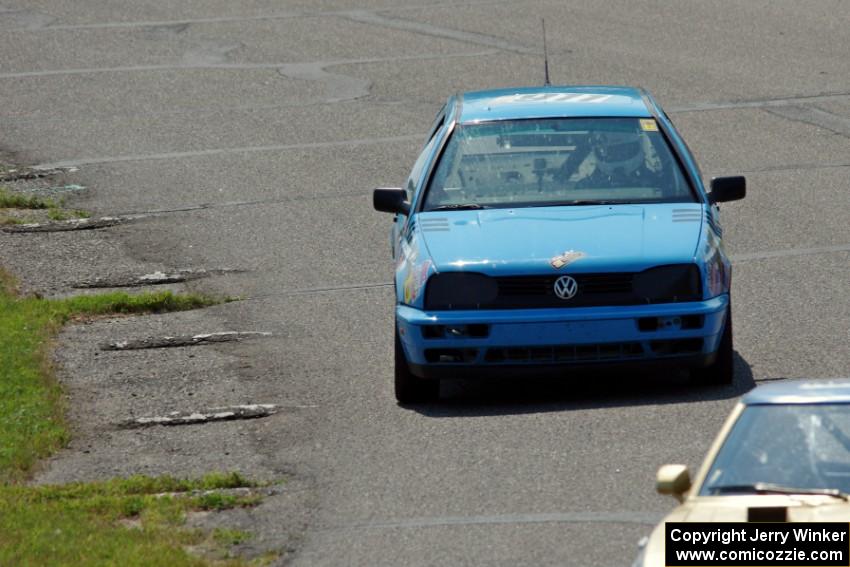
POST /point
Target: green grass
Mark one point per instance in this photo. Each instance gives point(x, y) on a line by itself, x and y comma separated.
point(31, 408)
point(55, 214)
point(117, 522)
point(227, 536)
point(8, 221)
point(137, 521)
point(9, 200)
point(31, 412)
point(55, 210)
point(121, 302)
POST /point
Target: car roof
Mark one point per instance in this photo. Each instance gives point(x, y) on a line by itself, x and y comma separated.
point(800, 392)
point(553, 102)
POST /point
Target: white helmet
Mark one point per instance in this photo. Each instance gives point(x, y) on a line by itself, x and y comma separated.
point(618, 152)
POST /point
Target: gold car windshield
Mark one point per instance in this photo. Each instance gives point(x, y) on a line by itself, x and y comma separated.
point(792, 446)
point(556, 161)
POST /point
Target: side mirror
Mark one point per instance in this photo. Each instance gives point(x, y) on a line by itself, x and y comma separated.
point(390, 200)
point(725, 189)
point(674, 480)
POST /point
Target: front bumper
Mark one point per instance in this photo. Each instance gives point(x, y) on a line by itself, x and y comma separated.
point(441, 344)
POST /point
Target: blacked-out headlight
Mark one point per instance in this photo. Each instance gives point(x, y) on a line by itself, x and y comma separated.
point(459, 290)
point(669, 284)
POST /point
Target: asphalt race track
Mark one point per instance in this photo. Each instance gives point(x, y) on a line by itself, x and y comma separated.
point(256, 130)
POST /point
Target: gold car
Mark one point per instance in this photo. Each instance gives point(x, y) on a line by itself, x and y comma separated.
point(783, 455)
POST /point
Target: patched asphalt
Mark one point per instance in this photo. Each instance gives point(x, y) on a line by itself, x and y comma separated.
point(252, 133)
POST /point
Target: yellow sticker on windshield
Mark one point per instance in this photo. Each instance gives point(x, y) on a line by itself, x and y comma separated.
point(648, 125)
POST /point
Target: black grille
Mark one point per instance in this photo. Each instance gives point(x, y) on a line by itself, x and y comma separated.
point(564, 353)
point(538, 291)
point(602, 352)
point(469, 290)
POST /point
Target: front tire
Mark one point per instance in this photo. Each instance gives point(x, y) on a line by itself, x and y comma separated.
point(409, 388)
point(722, 370)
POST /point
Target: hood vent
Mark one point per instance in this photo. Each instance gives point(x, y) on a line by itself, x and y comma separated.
point(767, 514)
point(687, 215)
point(430, 224)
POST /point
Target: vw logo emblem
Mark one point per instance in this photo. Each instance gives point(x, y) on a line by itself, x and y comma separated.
point(566, 287)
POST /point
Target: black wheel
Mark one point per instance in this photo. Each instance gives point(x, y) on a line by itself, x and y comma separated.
point(409, 388)
point(722, 370)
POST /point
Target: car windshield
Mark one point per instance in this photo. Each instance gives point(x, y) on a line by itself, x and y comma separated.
point(556, 161)
point(791, 446)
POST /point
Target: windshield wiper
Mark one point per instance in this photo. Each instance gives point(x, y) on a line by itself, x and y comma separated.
point(767, 488)
point(459, 207)
point(579, 202)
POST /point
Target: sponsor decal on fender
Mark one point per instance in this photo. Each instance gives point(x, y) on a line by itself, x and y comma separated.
point(415, 281)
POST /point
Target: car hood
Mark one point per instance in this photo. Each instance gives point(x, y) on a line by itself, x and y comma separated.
point(799, 508)
point(525, 240)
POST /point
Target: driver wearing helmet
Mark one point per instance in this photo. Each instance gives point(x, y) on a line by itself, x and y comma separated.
point(618, 160)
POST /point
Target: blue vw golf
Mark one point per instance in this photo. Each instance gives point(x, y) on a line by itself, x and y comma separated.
point(554, 228)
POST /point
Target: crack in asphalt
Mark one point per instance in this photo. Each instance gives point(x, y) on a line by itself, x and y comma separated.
point(344, 88)
point(327, 289)
point(28, 173)
point(339, 87)
point(138, 215)
point(624, 517)
point(30, 21)
point(212, 57)
point(237, 150)
point(794, 167)
point(154, 278)
point(813, 116)
point(429, 30)
point(23, 20)
point(767, 254)
point(757, 103)
point(186, 66)
point(180, 22)
point(184, 340)
point(135, 113)
point(69, 225)
point(229, 413)
point(210, 52)
point(696, 107)
point(253, 203)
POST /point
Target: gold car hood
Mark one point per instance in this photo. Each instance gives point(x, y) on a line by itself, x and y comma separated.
point(801, 508)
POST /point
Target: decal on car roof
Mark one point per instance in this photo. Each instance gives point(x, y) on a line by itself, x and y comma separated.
point(554, 97)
